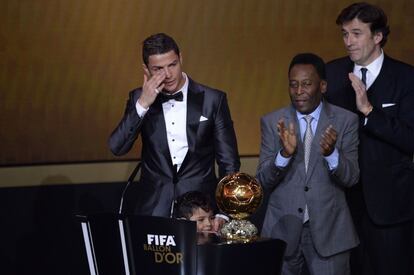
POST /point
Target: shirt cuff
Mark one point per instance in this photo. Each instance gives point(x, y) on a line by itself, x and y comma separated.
point(332, 160)
point(224, 217)
point(281, 161)
point(140, 110)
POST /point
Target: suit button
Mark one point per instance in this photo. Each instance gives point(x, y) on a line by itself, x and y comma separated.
point(306, 189)
point(300, 210)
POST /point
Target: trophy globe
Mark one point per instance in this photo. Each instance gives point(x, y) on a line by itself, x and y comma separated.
point(239, 195)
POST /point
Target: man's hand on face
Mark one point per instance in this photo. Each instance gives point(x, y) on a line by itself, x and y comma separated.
point(328, 141)
point(153, 85)
point(287, 138)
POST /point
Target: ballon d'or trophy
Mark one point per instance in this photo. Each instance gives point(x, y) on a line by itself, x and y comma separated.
point(239, 195)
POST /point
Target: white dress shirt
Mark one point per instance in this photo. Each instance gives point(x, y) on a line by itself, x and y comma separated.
point(373, 69)
point(175, 115)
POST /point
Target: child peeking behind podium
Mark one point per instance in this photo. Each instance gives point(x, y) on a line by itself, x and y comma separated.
point(195, 206)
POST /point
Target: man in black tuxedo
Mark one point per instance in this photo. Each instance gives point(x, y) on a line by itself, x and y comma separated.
point(381, 90)
point(185, 128)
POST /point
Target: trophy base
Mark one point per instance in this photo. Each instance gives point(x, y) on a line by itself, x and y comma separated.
point(239, 231)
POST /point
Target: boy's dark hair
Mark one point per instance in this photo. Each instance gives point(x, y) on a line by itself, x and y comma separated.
point(159, 43)
point(188, 202)
point(369, 14)
point(310, 59)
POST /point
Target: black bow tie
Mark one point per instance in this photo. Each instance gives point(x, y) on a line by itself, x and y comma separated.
point(165, 97)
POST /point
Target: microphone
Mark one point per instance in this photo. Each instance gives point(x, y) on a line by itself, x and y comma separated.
point(130, 180)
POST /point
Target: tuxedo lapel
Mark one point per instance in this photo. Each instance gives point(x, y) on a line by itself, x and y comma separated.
point(195, 99)
point(155, 117)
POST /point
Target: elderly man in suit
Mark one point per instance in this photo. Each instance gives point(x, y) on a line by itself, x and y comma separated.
point(381, 91)
point(185, 128)
point(308, 157)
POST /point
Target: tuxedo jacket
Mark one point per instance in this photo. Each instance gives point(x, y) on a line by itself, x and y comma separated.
point(211, 138)
point(386, 140)
point(322, 190)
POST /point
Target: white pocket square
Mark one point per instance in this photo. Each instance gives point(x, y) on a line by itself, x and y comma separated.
point(203, 118)
point(385, 105)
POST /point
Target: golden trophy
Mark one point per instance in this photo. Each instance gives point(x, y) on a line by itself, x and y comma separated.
point(239, 195)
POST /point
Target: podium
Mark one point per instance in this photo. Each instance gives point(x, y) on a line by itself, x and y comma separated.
point(143, 245)
point(262, 256)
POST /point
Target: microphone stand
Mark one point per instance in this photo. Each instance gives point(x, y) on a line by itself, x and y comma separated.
point(130, 180)
point(175, 180)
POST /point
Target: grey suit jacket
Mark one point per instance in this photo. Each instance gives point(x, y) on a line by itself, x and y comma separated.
point(320, 189)
point(211, 139)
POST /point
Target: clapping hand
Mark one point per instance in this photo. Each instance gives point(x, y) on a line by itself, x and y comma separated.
point(287, 138)
point(328, 141)
point(362, 103)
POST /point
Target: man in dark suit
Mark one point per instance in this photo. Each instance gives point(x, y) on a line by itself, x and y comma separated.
point(308, 157)
point(381, 91)
point(185, 128)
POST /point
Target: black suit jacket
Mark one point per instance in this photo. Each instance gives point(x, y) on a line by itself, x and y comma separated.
point(387, 139)
point(209, 140)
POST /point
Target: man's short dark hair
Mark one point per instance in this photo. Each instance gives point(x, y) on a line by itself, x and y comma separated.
point(188, 202)
point(159, 43)
point(369, 14)
point(310, 59)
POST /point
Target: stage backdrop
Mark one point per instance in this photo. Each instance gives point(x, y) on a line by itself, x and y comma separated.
point(66, 66)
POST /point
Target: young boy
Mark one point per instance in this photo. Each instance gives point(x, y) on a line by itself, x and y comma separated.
point(195, 206)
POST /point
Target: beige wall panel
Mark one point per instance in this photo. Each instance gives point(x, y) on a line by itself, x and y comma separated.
point(68, 174)
point(66, 66)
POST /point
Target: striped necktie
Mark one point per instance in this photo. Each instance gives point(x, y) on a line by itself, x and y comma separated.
point(307, 140)
point(307, 143)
